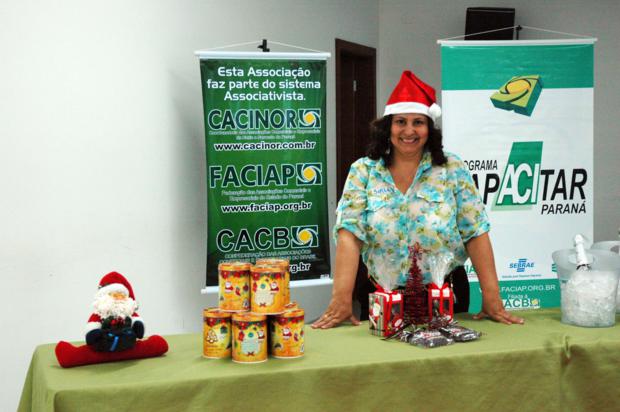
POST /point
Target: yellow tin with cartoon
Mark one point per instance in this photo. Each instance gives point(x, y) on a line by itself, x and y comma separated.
point(283, 264)
point(268, 292)
point(287, 334)
point(249, 338)
point(234, 286)
point(216, 339)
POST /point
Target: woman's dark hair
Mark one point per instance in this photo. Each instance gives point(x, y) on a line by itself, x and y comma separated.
point(380, 145)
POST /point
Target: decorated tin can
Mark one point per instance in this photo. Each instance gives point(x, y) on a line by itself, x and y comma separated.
point(216, 339)
point(234, 286)
point(249, 337)
point(287, 334)
point(267, 289)
point(283, 264)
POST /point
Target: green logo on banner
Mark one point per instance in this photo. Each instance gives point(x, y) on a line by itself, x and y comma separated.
point(309, 174)
point(519, 185)
point(305, 236)
point(264, 119)
point(519, 94)
point(309, 118)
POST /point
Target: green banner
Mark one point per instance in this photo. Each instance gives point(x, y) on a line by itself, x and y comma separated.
point(488, 67)
point(266, 163)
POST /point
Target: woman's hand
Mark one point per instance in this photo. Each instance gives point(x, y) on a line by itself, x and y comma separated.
point(493, 308)
point(341, 306)
point(338, 311)
point(481, 254)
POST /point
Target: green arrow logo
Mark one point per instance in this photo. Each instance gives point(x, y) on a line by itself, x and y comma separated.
point(519, 185)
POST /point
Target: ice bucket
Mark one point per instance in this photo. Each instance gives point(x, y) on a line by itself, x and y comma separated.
point(613, 245)
point(588, 298)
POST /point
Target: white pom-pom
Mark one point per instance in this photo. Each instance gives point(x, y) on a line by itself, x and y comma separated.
point(434, 111)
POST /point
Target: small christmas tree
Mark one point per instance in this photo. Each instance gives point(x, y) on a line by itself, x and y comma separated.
point(415, 296)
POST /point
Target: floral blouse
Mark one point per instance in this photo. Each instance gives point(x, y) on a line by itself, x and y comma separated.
point(441, 211)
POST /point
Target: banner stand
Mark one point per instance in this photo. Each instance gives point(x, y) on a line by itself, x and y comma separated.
point(265, 135)
point(520, 114)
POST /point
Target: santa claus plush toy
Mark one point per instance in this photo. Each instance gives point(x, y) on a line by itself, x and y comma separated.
point(114, 325)
point(114, 330)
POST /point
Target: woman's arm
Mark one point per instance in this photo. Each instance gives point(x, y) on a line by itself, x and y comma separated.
point(481, 254)
point(341, 305)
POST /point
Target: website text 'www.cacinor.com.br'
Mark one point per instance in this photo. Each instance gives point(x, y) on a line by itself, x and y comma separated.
point(267, 207)
point(262, 145)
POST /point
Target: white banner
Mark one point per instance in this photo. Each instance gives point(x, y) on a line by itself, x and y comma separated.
point(521, 117)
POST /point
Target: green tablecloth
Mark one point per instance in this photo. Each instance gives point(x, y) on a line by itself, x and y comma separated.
point(543, 365)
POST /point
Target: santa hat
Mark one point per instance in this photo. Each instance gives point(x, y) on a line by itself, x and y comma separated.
point(115, 282)
point(412, 95)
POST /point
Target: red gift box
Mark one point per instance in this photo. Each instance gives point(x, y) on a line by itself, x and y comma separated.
point(441, 299)
point(385, 312)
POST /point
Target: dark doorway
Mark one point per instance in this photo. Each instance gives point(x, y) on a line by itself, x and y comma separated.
point(356, 103)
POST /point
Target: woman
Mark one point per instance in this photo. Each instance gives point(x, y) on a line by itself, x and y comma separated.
point(408, 191)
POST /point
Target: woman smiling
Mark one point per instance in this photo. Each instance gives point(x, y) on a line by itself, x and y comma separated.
point(407, 192)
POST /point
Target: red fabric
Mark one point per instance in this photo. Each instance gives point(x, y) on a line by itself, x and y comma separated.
point(94, 318)
point(69, 355)
point(411, 89)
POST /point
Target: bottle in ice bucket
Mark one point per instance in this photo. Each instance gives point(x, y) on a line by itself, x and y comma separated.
point(589, 287)
point(581, 257)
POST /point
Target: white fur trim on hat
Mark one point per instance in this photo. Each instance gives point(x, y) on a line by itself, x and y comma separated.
point(113, 287)
point(413, 107)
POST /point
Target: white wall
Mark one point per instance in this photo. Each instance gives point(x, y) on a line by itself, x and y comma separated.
point(102, 154)
point(408, 31)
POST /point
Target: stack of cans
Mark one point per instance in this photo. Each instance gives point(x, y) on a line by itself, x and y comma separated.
point(254, 316)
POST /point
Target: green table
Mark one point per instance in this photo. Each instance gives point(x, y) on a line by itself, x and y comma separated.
point(543, 365)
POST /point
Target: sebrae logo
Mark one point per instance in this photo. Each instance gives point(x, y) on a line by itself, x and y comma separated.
point(518, 94)
point(521, 265)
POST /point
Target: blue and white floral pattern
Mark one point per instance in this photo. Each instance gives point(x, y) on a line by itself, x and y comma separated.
point(441, 211)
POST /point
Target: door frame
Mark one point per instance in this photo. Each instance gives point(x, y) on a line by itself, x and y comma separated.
point(360, 51)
